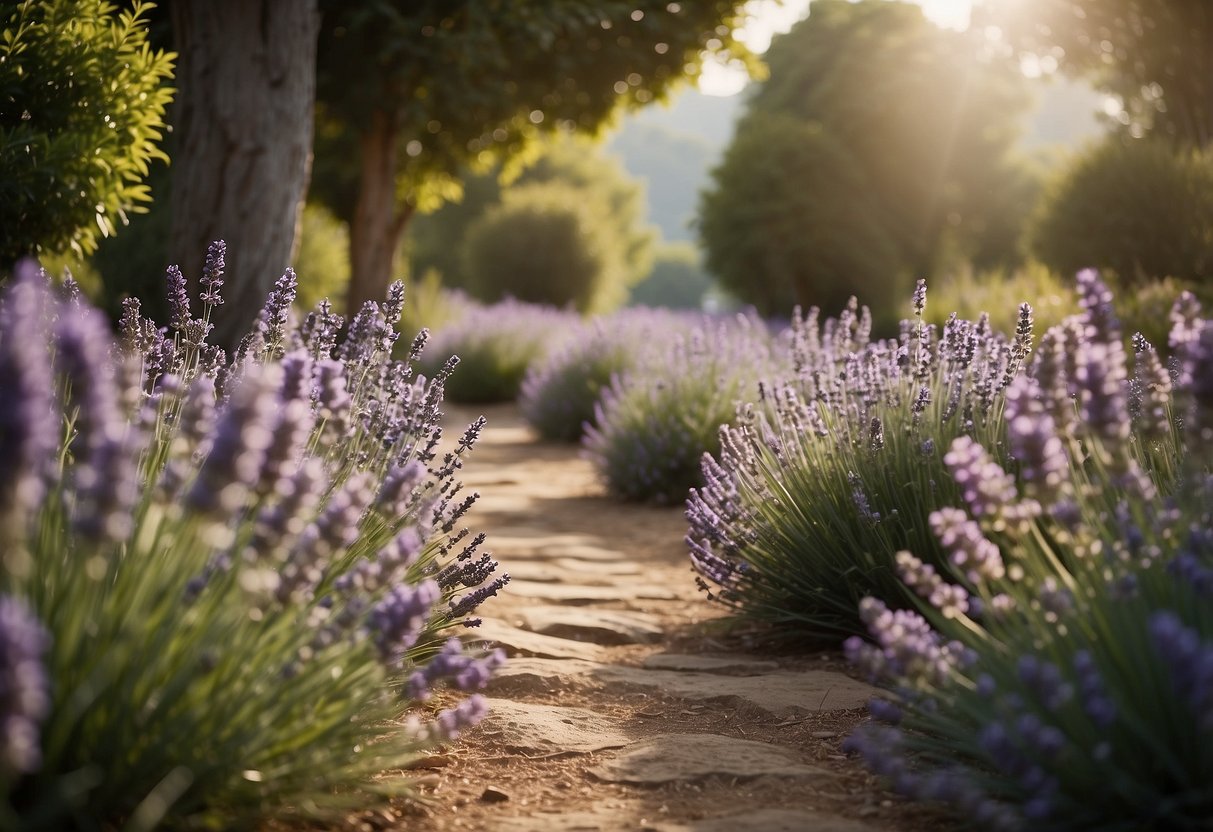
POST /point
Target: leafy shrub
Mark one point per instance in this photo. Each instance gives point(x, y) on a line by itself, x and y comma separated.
point(82, 104)
point(803, 508)
point(496, 345)
point(561, 392)
point(807, 246)
point(545, 244)
point(677, 280)
point(1057, 674)
point(225, 582)
point(1137, 207)
point(654, 424)
point(322, 264)
point(971, 294)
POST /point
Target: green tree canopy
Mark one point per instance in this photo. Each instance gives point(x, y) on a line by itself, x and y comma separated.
point(82, 106)
point(1156, 56)
point(425, 89)
point(435, 240)
point(677, 279)
point(903, 133)
point(1136, 206)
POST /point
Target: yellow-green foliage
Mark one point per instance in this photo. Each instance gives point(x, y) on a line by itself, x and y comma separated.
point(969, 293)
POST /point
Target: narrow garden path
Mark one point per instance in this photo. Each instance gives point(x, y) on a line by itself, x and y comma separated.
point(623, 707)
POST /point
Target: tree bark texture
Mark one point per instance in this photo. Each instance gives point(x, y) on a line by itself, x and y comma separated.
point(379, 220)
point(246, 79)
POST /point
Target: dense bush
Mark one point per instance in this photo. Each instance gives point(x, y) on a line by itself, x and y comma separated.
point(812, 493)
point(545, 244)
point(1058, 674)
point(654, 424)
point(561, 392)
point(82, 105)
point(496, 345)
point(970, 294)
point(225, 582)
point(677, 280)
point(1137, 207)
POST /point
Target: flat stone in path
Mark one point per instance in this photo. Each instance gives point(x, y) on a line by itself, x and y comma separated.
point(770, 820)
point(568, 594)
point(779, 693)
point(667, 758)
point(593, 625)
point(626, 816)
point(519, 642)
point(724, 665)
point(567, 570)
point(527, 728)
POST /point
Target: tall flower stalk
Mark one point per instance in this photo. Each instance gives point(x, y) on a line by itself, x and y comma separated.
point(820, 481)
point(222, 575)
point(1069, 688)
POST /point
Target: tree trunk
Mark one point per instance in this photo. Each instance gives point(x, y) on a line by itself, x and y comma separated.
point(378, 219)
point(243, 124)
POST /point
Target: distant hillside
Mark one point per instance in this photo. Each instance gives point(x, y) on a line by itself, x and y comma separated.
point(673, 148)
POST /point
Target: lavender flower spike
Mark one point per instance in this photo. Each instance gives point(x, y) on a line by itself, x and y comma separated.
point(212, 274)
point(24, 687)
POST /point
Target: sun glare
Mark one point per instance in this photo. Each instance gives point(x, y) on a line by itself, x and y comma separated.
point(770, 17)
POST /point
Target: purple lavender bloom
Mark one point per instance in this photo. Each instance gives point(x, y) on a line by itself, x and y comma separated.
point(969, 550)
point(987, 489)
point(396, 622)
point(1190, 662)
point(1153, 384)
point(1034, 444)
point(178, 299)
point(467, 603)
point(29, 421)
point(450, 723)
point(212, 274)
point(906, 646)
point(82, 346)
point(24, 687)
point(921, 577)
point(396, 494)
point(467, 672)
point(237, 452)
point(333, 531)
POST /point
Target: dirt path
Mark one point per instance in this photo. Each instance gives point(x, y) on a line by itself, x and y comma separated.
point(623, 707)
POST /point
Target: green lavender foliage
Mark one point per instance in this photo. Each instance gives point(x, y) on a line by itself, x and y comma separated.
point(654, 424)
point(561, 393)
point(496, 345)
point(1063, 679)
point(817, 486)
point(244, 567)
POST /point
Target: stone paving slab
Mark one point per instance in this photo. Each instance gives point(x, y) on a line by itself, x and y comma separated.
point(689, 758)
point(724, 665)
point(634, 817)
point(780, 693)
point(518, 642)
point(574, 594)
point(599, 626)
point(529, 728)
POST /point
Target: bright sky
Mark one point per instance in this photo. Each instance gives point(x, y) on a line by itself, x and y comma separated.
point(770, 18)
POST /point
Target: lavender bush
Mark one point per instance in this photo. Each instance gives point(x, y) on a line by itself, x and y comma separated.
point(818, 485)
point(496, 345)
point(654, 424)
point(560, 392)
point(1058, 671)
point(228, 584)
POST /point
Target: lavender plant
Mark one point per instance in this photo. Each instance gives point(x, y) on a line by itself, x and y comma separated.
point(836, 468)
point(560, 392)
point(496, 345)
point(228, 584)
point(1057, 672)
point(654, 424)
